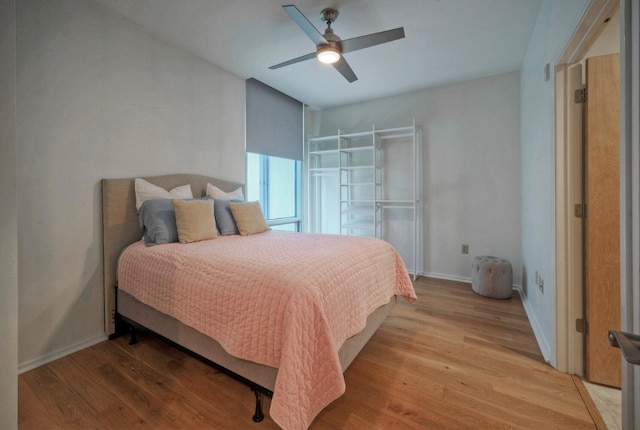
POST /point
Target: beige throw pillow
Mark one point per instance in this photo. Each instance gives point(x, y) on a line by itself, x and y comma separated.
point(194, 220)
point(249, 217)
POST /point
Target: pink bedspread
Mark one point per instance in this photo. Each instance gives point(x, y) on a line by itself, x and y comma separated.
point(287, 300)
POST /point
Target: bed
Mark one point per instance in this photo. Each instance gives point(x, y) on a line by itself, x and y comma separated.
point(277, 341)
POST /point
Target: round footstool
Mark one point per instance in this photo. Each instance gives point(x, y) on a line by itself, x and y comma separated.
point(491, 277)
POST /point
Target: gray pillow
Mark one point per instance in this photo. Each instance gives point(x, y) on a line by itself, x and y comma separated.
point(157, 219)
point(224, 218)
point(158, 222)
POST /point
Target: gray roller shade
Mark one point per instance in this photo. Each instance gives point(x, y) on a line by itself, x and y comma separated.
point(274, 122)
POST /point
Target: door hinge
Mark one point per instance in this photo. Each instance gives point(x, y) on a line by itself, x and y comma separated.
point(580, 96)
point(580, 210)
point(582, 326)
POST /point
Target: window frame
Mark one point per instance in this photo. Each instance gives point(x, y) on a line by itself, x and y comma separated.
point(264, 192)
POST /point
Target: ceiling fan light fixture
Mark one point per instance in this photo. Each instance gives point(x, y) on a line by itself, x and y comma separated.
point(329, 47)
point(328, 54)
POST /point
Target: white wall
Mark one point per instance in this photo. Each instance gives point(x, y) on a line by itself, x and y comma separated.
point(555, 24)
point(9, 221)
point(98, 97)
point(471, 159)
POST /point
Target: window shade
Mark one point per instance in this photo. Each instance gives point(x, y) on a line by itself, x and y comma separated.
point(274, 122)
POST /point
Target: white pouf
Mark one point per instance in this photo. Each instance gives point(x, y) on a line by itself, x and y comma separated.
point(491, 277)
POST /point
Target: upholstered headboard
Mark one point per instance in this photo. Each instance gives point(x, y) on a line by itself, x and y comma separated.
point(120, 226)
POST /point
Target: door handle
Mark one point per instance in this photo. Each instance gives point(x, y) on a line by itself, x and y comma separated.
point(628, 343)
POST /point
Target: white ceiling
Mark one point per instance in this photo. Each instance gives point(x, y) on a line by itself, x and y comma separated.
point(446, 41)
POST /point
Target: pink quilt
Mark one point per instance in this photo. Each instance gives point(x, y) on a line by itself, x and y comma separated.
point(286, 300)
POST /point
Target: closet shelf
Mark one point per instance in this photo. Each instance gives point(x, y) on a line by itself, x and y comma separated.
point(324, 152)
point(356, 194)
point(357, 149)
point(353, 184)
point(332, 170)
point(358, 167)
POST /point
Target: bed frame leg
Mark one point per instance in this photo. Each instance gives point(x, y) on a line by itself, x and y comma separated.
point(133, 339)
point(258, 416)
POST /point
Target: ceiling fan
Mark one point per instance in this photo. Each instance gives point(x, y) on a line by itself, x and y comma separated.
point(329, 47)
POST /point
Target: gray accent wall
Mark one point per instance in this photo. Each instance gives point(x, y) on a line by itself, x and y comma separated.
point(99, 97)
point(9, 221)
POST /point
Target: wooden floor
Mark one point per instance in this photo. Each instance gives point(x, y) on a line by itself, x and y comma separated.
point(452, 360)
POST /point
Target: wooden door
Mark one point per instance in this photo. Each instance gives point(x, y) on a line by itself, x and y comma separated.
point(602, 223)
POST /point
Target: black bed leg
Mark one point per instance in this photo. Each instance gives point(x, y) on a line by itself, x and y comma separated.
point(258, 416)
point(133, 339)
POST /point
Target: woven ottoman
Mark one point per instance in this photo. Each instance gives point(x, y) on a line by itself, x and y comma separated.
point(491, 277)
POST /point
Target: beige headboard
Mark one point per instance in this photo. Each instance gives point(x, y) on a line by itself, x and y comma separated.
point(120, 226)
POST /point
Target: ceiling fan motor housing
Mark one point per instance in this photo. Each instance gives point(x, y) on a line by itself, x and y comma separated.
point(333, 39)
point(329, 15)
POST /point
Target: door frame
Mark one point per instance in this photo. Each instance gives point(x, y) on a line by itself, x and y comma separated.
point(569, 233)
point(569, 247)
point(568, 359)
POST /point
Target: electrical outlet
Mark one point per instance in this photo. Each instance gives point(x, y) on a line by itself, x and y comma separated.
point(541, 285)
point(465, 249)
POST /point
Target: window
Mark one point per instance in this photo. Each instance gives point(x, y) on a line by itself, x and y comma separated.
point(274, 136)
point(275, 182)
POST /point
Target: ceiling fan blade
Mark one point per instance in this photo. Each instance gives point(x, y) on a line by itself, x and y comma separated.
point(361, 42)
point(345, 70)
point(295, 60)
point(305, 25)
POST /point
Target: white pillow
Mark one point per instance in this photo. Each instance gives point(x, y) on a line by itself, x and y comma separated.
point(217, 193)
point(146, 190)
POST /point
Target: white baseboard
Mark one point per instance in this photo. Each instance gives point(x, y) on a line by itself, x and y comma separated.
point(459, 279)
point(52, 356)
point(535, 326)
point(445, 277)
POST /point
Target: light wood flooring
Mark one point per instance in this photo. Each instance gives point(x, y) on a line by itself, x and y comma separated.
point(451, 360)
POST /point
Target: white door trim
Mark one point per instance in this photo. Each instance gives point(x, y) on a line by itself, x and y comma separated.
point(569, 352)
point(569, 228)
point(629, 190)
